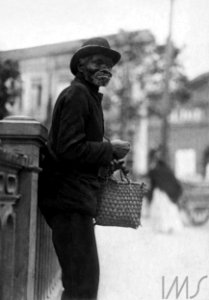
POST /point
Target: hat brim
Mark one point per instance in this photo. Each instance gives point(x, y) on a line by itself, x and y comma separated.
point(92, 50)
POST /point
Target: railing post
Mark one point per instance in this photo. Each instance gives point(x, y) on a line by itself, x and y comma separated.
point(24, 136)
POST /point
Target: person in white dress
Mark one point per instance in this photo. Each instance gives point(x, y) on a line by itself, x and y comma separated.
point(165, 191)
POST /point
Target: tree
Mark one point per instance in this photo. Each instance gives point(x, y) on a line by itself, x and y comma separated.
point(139, 78)
point(138, 82)
point(9, 85)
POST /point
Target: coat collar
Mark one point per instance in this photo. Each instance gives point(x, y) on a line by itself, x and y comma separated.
point(89, 85)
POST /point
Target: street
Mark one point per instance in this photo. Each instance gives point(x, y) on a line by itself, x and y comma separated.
point(142, 265)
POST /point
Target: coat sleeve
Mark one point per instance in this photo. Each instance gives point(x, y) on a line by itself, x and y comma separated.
point(72, 144)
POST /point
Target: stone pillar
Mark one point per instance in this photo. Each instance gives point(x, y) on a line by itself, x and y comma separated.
point(24, 137)
point(10, 166)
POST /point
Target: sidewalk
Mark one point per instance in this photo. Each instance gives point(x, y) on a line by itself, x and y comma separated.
point(133, 262)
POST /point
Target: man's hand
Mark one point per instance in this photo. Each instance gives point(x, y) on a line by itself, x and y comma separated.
point(120, 148)
point(118, 165)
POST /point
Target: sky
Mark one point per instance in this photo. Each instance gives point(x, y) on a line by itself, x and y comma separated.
point(27, 23)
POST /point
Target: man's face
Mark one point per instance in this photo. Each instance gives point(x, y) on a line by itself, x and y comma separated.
point(96, 69)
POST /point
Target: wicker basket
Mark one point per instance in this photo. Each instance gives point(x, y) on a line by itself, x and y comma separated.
point(120, 203)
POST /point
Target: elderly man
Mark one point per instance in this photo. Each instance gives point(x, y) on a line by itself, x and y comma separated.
point(76, 156)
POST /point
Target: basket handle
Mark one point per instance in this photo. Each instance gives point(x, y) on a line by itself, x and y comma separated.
point(124, 177)
point(124, 174)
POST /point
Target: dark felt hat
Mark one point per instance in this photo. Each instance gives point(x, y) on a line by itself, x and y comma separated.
point(91, 47)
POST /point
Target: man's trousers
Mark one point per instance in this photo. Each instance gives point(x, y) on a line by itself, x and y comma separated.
point(75, 245)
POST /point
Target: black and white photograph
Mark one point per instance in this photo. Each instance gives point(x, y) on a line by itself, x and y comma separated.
point(104, 150)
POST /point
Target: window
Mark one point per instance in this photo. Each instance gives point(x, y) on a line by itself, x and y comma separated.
point(185, 163)
point(36, 93)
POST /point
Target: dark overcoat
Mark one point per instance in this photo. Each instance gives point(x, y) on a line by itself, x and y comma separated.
point(75, 151)
point(162, 177)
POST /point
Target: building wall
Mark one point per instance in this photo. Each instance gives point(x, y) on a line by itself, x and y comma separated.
point(188, 132)
point(194, 137)
point(187, 145)
point(42, 79)
point(200, 90)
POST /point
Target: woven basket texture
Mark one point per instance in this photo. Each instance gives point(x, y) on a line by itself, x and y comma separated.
point(120, 204)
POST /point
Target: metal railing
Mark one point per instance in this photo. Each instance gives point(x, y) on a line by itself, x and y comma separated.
point(47, 272)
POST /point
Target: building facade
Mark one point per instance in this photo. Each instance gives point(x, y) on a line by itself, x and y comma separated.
point(189, 132)
point(44, 73)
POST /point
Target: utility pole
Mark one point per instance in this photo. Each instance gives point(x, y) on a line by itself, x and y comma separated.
point(166, 94)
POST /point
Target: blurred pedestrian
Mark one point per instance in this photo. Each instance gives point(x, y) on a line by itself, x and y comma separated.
point(165, 192)
point(76, 157)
